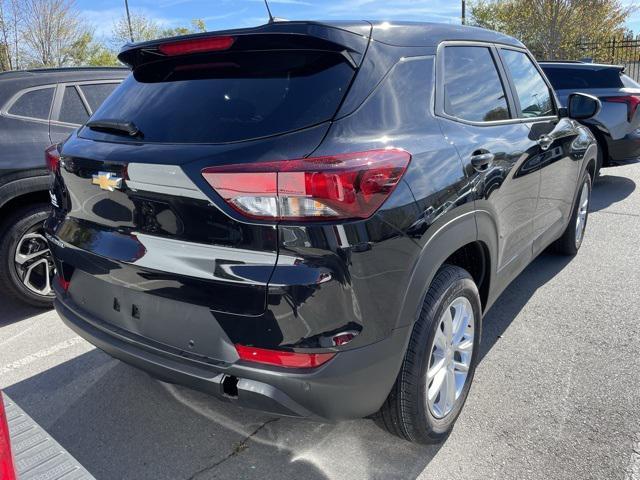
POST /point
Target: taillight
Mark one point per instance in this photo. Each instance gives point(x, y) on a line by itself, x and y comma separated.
point(281, 358)
point(64, 284)
point(52, 157)
point(7, 468)
point(632, 102)
point(196, 45)
point(351, 185)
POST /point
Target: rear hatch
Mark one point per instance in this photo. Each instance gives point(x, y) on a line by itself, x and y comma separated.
point(619, 93)
point(146, 243)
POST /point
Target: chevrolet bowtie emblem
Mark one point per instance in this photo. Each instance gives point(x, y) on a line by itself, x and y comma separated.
point(107, 181)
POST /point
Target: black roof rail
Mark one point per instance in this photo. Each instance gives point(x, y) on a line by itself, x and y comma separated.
point(59, 70)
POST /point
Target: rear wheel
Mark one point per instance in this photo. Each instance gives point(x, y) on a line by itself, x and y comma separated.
point(571, 239)
point(438, 368)
point(26, 263)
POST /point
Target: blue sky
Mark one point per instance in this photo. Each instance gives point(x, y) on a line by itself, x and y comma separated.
point(220, 14)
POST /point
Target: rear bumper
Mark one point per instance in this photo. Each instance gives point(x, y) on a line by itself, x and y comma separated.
point(353, 384)
point(625, 149)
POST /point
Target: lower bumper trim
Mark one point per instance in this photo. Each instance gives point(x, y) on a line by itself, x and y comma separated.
point(353, 384)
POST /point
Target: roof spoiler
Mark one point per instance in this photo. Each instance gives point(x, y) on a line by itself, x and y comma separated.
point(350, 42)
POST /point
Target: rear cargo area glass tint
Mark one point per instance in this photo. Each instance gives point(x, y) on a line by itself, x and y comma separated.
point(576, 78)
point(229, 97)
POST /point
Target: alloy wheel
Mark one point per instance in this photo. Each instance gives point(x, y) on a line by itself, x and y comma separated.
point(34, 263)
point(450, 358)
point(583, 211)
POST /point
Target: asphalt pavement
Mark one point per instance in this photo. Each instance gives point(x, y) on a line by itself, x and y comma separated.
point(556, 394)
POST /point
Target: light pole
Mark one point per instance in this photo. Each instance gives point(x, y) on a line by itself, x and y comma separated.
point(464, 12)
point(126, 6)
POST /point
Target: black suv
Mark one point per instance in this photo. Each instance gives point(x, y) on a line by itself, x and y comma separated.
point(37, 107)
point(311, 218)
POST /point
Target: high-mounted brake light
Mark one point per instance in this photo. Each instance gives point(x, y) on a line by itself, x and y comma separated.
point(632, 102)
point(281, 358)
point(7, 467)
point(351, 185)
point(196, 45)
point(52, 157)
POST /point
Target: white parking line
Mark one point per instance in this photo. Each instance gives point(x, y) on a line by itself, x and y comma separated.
point(19, 334)
point(40, 354)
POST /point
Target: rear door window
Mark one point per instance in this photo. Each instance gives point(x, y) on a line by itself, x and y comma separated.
point(33, 104)
point(96, 93)
point(466, 97)
point(72, 109)
point(229, 97)
point(532, 91)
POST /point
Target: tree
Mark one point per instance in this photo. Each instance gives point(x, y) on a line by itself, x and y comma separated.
point(145, 28)
point(11, 16)
point(51, 29)
point(554, 29)
point(86, 51)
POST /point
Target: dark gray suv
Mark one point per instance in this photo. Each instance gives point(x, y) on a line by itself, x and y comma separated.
point(37, 108)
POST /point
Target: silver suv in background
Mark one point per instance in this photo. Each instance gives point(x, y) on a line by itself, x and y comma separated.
point(616, 127)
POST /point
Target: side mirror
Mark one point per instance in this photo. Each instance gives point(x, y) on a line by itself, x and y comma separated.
point(582, 106)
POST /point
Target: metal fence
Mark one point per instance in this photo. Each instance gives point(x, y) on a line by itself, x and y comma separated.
point(619, 51)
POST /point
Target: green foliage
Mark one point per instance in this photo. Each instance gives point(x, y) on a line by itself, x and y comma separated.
point(145, 28)
point(553, 29)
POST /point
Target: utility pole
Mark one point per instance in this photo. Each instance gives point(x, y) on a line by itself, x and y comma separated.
point(126, 6)
point(464, 12)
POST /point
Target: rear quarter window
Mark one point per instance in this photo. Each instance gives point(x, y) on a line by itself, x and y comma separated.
point(229, 97)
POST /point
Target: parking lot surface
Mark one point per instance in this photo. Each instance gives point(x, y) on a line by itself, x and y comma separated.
point(556, 394)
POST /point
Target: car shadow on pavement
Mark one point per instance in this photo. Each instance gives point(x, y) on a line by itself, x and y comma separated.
point(12, 311)
point(120, 423)
point(610, 189)
point(515, 297)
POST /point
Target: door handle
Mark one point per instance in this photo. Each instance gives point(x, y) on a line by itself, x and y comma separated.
point(481, 160)
point(545, 142)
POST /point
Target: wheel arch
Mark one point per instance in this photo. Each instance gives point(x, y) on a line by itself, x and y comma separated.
point(24, 191)
point(457, 243)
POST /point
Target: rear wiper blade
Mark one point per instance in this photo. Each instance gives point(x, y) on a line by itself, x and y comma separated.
point(115, 126)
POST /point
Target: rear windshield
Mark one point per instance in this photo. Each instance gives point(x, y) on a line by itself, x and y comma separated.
point(225, 98)
point(575, 78)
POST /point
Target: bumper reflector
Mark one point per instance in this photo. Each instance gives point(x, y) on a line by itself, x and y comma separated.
point(281, 358)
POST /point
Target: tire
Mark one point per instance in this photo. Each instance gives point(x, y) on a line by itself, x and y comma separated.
point(24, 229)
point(407, 412)
point(571, 240)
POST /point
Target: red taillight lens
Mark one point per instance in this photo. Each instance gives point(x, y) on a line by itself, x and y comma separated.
point(196, 45)
point(64, 284)
point(283, 359)
point(352, 185)
point(7, 468)
point(632, 102)
point(52, 157)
